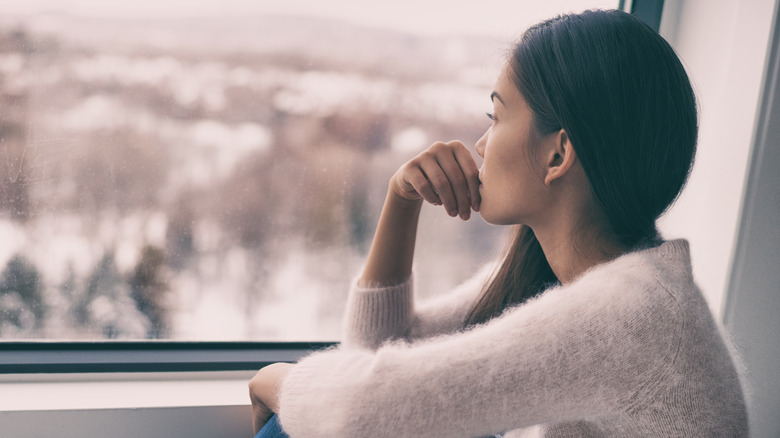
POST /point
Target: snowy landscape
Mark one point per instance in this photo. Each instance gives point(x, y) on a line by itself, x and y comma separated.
point(218, 179)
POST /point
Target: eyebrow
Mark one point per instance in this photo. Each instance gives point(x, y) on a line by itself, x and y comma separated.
point(495, 95)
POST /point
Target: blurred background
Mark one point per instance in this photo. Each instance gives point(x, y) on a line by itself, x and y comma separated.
point(214, 170)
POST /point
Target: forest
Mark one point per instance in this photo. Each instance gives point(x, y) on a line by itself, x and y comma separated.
point(225, 191)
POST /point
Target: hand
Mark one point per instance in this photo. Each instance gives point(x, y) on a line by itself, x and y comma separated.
point(264, 391)
point(444, 174)
point(260, 413)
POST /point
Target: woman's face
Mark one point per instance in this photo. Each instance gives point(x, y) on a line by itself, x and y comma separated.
point(512, 188)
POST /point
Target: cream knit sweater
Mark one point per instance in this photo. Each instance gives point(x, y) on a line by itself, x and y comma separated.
point(629, 349)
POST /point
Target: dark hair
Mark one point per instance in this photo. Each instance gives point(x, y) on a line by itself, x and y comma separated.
point(622, 96)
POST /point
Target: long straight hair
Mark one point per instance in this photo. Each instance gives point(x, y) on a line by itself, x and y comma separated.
point(523, 274)
point(624, 99)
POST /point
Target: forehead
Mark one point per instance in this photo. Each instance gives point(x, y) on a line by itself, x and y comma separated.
point(505, 86)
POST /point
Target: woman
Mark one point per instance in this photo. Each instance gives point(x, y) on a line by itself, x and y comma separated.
point(592, 324)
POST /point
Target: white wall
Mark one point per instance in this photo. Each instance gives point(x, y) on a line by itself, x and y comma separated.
point(752, 308)
point(723, 45)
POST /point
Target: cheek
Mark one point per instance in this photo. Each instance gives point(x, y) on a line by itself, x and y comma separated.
point(499, 192)
point(504, 163)
point(512, 190)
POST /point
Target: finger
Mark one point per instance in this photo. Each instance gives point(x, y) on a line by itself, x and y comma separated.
point(457, 180)
point(419, 182)
point(435, 175)
point(471, 174)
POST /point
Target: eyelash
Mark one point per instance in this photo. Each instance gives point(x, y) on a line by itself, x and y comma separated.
point(492, 117)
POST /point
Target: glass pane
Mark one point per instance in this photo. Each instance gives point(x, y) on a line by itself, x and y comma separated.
point(215, 169)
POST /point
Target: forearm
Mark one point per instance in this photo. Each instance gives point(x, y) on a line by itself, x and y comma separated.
point(392, 250)
point(380, 306)
point(444, 174)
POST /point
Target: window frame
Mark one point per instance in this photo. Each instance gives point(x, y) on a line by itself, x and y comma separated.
point(147, 356)
point(649, 11)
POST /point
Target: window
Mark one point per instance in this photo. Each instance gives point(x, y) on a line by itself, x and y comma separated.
point(214, 170)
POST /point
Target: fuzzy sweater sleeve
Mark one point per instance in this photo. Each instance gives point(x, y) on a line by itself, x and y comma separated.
point(574, 352)
point(379, 314)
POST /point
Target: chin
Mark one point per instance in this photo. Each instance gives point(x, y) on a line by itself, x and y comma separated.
point(492, 221)
point(496, 217)
point(490, 217)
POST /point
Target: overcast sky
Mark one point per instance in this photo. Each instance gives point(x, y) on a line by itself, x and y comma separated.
point(500, 18)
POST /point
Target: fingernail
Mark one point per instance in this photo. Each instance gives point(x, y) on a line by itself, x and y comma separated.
point(465, 216)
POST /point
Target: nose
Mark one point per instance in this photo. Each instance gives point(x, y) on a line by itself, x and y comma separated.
point(480, 147)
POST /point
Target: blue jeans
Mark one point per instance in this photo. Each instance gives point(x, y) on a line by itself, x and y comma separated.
point(272, 429)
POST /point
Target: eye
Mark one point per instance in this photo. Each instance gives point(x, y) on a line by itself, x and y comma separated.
point(492, 117)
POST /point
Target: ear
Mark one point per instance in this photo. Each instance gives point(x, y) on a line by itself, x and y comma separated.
point(560, 157)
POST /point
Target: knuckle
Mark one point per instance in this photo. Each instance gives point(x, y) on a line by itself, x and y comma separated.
point(414, 165)
point(455, 144)
point(434, 149)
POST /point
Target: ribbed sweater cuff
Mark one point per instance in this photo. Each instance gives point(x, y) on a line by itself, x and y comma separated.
point(377, 314)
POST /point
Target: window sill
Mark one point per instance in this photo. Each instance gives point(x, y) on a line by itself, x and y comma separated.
point(173, 405)
point(122, 390)
point(134, 389)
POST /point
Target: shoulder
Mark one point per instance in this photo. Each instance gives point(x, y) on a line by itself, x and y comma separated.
point(658, 278)
point(636, 302)
point(649, 280)
point(633, 309)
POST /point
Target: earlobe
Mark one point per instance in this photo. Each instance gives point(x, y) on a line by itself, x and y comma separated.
point(561, 159)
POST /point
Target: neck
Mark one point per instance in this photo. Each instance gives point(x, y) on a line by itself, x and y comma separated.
point(571, 252)
point(571, 229)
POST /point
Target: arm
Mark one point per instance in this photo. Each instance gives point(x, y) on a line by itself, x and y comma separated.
point(380, 305)
point(444, 174)
point(567, 355)
point(392, 250)
point(376, 315)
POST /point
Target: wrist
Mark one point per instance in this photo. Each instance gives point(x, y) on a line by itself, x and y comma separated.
point(402, 201)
